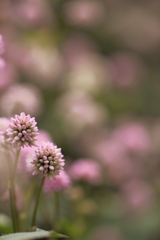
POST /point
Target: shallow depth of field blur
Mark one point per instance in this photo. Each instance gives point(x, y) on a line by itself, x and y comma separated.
point(89, 72)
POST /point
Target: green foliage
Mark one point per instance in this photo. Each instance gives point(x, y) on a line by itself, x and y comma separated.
point(39, 233)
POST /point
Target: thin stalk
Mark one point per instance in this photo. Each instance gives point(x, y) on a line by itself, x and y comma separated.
point(28, 199)
point(15, 167)
point(14, 212)
point(37, 203)
point(9, 162)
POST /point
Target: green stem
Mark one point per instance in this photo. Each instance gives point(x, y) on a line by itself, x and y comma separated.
point(37, 203)
point(14, 212)
point(28, 199)
point(15, 167)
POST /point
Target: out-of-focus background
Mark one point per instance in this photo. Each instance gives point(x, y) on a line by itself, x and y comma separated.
point(89, 72)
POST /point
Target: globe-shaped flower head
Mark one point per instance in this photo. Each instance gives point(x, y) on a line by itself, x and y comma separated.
point(48, 160)
point(22, 131)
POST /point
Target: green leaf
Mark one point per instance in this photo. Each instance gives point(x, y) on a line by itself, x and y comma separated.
point(39, 233)
point(5, 224)
point(54, 234)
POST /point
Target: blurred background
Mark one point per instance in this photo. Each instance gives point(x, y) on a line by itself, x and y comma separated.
point(88, 71)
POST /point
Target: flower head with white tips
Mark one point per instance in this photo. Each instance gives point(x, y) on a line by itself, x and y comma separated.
point(22, 131)
point(48, 160)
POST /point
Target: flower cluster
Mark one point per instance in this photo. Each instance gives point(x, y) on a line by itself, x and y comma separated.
point(48, 160)
point(22, 131)
point(27, 153)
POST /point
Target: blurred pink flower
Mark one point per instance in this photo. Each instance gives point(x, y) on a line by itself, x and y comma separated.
point(21, 97)
point(31, 13)
point(19, 197)
point(138, 195)
point(134, 136)
point(2, 63)
point(43, 136)
point(79, 111)
point(76, 49)
point(126, 69)
point(44, 65)
point(109, 150)
point(1, 45)
point(60, 182)
point(88, 73)
point(116, 160)
point(8, 75)
point(83, 13)
point(121, 170)
point(87, 170)
point(4, 122)
point(4, 159)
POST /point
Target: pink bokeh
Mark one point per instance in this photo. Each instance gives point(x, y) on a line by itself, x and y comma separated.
point(87, 170)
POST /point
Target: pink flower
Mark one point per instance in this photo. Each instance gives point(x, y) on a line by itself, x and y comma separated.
point(60, 182)
point(48, 160)
point(109, 150)
point(83, 13)
point(28, 100)
point(22, 131)
point(19, 197)
point(27, 153)
point(8, 75)
point(138, 195)
point(77, 49)
point(2, 63)
point(43, 65)
point(31, 13)
point(126, 69)
point(4, 124)
point(86, 169)
point(116, 160)
point(133, 136)
point(79, 111)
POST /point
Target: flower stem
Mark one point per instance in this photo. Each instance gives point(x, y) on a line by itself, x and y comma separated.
point(15, 167)
point(14, 212)
point(37, 203)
